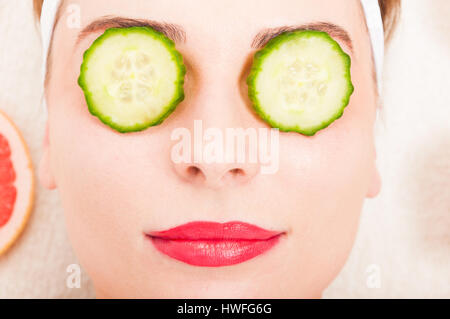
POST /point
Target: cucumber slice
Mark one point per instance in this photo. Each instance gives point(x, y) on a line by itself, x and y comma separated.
point(132, 78)
point(300, 81)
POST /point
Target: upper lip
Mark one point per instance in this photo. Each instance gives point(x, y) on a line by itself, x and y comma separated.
point(200, 230)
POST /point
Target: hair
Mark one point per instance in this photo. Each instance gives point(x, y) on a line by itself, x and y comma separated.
point(390, 12)
point(37, 4)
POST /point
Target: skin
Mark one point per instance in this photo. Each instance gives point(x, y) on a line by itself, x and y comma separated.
point(114, 187)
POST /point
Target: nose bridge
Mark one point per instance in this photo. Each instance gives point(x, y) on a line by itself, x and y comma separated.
point(218, 102)
point(217, 96)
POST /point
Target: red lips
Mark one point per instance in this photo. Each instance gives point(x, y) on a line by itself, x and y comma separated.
point(210, 244)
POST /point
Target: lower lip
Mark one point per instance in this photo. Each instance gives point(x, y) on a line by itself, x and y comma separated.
point(187, 244)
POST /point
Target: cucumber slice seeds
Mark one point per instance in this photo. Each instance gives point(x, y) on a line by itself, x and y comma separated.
point(132, 78)
point(300, 81)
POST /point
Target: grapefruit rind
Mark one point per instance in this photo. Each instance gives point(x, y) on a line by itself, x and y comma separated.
point(24, 184)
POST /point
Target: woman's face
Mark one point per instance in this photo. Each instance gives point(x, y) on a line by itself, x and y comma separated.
point(116, 188)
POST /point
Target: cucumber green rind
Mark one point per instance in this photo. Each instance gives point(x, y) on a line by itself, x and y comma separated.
point(176, 57)
point(275, 44)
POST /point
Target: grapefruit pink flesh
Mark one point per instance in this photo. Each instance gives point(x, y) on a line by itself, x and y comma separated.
point(16, 183)
point(8, 192)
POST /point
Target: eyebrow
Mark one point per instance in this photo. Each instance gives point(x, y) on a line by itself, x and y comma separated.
point(172, 31)
point(333, 30)
point(177, 33)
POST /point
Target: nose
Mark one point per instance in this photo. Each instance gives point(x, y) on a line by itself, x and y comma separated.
point(214, 106)
point(216, 175)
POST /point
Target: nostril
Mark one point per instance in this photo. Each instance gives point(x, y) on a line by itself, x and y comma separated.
point(237, 172)
point(193, 171)
point(214, 176)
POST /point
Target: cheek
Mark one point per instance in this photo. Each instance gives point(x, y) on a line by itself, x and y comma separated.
point(96, 169)
point(323, 181)
point(103, 178)
point(326, 179)
point(337, 163)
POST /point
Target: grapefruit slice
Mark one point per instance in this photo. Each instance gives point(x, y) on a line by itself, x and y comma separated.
point(16, 183)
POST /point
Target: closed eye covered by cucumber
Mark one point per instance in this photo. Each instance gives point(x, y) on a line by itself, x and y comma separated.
point(132, 78)
point(300, 81)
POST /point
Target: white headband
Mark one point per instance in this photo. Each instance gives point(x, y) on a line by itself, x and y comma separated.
point(374, 22)
point(48, 16)
point(371, 10)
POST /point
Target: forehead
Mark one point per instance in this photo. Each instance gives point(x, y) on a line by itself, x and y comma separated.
point(216, 21)
point(249, 10)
